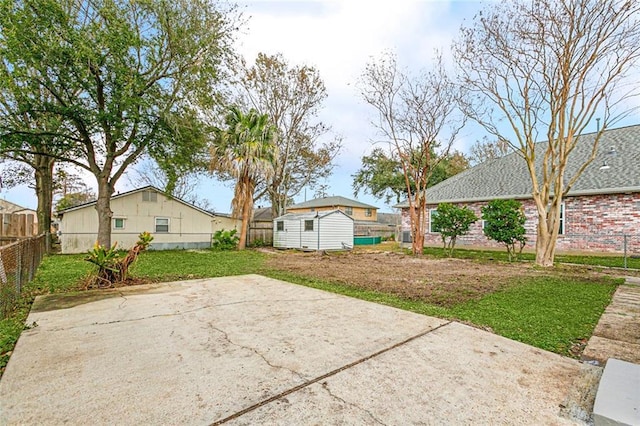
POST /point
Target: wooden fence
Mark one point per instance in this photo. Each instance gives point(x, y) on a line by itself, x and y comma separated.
point(260, 233)
point(15, 226)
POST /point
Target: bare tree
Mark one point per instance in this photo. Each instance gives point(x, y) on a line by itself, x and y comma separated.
point(485, 150)
point(545, 68)
point(183, 186)
point(418, 117)
point(322, 191)
point(291, 97)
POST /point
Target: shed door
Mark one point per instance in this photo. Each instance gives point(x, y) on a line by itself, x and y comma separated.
point(279, 239)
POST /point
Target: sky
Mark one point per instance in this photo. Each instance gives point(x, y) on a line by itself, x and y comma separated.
point(338, 37)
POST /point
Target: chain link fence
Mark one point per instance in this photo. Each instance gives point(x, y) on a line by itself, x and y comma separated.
point(18, 264)
point(621, 250)
point(625, 247)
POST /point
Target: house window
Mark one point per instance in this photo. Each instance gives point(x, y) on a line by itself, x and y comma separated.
point(367, 212)
point(162, 224)
point(151, 196)
point(280, 225)
point(432, 215)
point(118, 223)
point(312, 210)
point(308, 225)
point(562, 223)
point(348, 210)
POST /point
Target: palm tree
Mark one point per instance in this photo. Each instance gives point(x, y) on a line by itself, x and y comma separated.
point(246, 150)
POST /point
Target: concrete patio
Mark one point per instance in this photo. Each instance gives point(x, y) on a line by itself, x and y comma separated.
point(254, 350)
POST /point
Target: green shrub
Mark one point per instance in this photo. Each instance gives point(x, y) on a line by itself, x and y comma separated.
point(504, 223)
point(452, 222)
point(225, 240)
point(259, 243)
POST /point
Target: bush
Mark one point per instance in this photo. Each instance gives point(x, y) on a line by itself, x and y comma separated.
point(452, 221)
point(259, 243)
point(504, 223)
point(225, 240)
point(112, 268)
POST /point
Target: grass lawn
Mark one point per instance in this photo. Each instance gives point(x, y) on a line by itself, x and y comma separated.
point(553, 312)
point(610, 261)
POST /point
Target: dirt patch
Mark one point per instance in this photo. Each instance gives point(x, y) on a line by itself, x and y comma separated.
point(442, 282)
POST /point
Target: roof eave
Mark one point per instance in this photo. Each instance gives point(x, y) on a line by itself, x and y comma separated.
point(604, 191)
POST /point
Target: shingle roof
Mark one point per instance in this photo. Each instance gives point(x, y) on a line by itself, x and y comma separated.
point(331, 202)
point(311, 215)
point(508, 177)
point(144, 188)
point(262, 214)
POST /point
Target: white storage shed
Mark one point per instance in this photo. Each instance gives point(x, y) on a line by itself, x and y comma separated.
point(332, 230)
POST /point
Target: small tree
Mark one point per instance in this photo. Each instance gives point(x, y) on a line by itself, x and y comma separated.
point(504, 223)
point(419, 118)
point(452, 221)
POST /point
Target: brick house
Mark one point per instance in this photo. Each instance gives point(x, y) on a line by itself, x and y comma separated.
point(600, 213)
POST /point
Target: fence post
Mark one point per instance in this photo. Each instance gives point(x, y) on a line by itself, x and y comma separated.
point(47, 241)
point(625, 250)
point(32, 258)
point(19, 268)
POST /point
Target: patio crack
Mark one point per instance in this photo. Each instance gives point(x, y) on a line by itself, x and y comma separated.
point(325, 386)
point(172, 314)
point(325, 376)
point(255, 351)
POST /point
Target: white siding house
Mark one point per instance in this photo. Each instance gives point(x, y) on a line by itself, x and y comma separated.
point(173, 223)
point(331, 230)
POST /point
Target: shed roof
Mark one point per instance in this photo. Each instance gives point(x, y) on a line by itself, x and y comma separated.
point(311, 215)
point(508, 177)
point(334, 201)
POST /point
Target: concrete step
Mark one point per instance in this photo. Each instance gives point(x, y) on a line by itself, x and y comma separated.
point(618, 397)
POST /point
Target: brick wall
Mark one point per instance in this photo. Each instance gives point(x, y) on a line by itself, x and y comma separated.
point(591, 223)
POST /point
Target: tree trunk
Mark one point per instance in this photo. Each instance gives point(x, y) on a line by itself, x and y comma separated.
point(278, 203)
point(547, 235)
point(416, 214)
point(246, 215)
point(545, 249)
point(103, 207)
point(44, 191)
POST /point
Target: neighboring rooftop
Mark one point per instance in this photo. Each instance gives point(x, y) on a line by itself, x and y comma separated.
point(262, 214)
point(508, 177)
point(9, 207)
point(144, 188)
point(312, 215)
point(335, 201)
